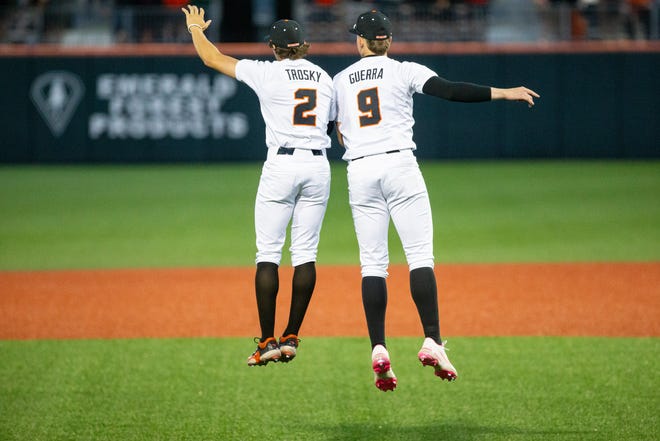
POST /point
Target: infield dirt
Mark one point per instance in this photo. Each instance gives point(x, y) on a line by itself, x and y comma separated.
point(572, 299)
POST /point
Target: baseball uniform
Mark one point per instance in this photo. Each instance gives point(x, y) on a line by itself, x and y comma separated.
point(375, 119)
point(295, 97)
point(296, 103)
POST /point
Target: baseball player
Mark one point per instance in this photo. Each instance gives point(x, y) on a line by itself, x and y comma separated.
point(295, 97)
point(374, 123)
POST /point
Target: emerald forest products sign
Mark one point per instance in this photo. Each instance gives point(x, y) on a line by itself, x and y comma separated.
point(142, 106)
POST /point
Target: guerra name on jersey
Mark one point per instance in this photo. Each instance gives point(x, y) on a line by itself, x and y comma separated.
point(365, 74)
point(374, 99)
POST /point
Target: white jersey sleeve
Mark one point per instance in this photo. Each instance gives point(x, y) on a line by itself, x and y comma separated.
point(296, 101)
point(416, 75)
point(374, 99)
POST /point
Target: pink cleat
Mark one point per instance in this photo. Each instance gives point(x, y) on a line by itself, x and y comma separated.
point(433, 354)
point(384, 377)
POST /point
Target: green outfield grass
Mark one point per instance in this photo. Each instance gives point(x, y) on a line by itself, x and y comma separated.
point(522, 388)
point(168, 216)
point(200, 389)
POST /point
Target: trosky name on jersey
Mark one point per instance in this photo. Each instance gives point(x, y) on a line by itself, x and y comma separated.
point(365, 74)
point(303, 74)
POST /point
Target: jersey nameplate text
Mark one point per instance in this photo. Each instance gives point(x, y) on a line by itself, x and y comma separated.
point(303, 75)
point(366, 74)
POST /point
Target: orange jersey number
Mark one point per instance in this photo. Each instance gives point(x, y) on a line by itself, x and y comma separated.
point(301, 115)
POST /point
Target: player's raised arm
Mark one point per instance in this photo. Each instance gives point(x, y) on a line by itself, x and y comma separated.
point(206, 50)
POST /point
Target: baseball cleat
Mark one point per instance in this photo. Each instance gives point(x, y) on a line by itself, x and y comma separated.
point(288, 347)
point(433, 354)
point(267, 350)
point(384, 377)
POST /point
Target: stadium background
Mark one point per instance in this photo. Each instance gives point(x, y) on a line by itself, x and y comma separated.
point(114, 86)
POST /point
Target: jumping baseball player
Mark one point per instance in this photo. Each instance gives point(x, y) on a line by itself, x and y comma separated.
point(296, 103)
point(374, 122)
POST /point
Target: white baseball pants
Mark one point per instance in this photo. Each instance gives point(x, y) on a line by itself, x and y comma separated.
point(292, 188)
point(390, 185)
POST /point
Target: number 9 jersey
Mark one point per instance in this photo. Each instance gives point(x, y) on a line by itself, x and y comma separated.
point(376, 111)
point(295, 98)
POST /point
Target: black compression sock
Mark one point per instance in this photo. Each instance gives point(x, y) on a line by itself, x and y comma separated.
point(374, 300)
point(304, 280)
point(425, 294)
point(266, 283)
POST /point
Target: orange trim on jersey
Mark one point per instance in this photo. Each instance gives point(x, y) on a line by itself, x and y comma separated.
point(368, 113)
point(304, 116)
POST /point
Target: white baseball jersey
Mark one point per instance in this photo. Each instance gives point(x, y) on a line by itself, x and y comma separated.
point(375, 104)
point(295, 98)
point(296, 103)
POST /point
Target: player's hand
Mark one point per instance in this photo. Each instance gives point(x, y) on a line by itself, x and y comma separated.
point(521, 94)
point(195, 16)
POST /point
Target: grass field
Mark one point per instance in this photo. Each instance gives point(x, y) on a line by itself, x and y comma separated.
point(169, 216)
point(199, 389)
point(514, 388)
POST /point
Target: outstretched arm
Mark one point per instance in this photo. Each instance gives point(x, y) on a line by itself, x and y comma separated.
point(475, 93)
point(456, 91)
point(206, 50)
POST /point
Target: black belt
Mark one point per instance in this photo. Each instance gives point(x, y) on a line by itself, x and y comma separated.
point(289, 151)
point(387, 153)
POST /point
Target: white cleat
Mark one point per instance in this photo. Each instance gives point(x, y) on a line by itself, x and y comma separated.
point(433, 354)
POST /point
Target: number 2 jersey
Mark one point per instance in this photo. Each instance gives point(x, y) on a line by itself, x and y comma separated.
point(295, 98)
point(374, 97)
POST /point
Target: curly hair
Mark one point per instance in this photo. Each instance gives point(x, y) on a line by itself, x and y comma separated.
point(292, 53)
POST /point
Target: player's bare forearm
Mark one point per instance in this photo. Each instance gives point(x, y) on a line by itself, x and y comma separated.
point(211, 56)
point(340, 138)
point(514, 94)
point(206, 50)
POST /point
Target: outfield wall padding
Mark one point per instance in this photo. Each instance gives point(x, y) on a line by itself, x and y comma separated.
point(155, 107)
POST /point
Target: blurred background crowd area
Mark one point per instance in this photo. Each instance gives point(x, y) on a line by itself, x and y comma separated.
point(108, 22)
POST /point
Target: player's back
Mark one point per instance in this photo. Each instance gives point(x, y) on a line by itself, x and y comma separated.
point(295, 98)
point(375, 106)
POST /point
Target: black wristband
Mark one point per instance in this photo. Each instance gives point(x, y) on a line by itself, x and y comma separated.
point(456, 91)
point(331, 126)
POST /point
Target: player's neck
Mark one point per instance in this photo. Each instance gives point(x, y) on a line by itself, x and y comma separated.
point(365, 52)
